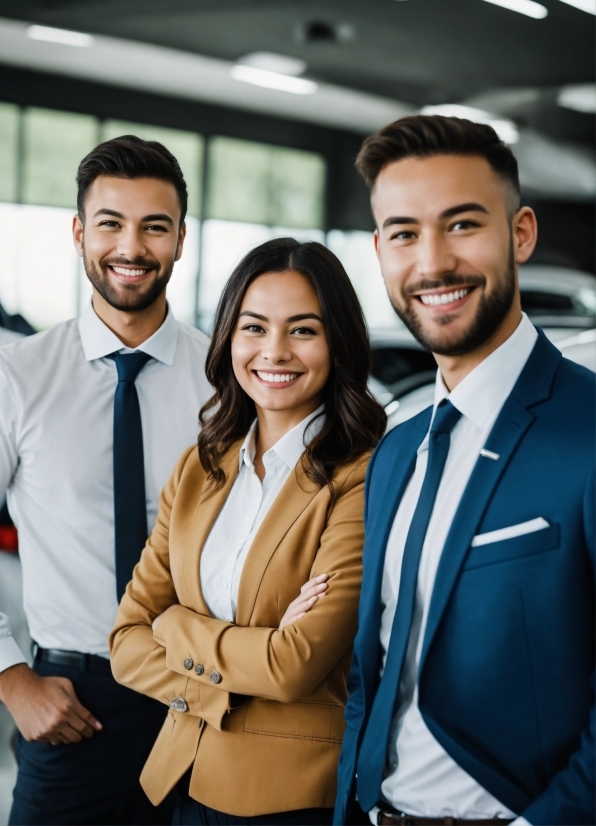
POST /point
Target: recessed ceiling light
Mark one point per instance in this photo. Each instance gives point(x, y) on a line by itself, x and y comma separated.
point(504, 127)
point(271, 62)
point(528, 7)
point(584, 5)
point(63, 36)
point(581, 97)
point(273, 80)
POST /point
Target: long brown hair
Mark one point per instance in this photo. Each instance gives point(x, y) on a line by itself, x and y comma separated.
point(354, 420)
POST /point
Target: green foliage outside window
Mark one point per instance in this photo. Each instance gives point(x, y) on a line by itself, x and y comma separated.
point(264, 184)
point(54, 143)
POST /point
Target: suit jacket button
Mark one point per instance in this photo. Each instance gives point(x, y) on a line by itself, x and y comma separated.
point(188, 663)
point(179, 704)
point(215, 677)
point(199, 669)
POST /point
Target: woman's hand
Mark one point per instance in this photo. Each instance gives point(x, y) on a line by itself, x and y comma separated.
point(309, 594)
point(155, 622)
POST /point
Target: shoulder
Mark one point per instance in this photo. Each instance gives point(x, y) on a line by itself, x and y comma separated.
point(573, 398)
point(193, 337)
point(352, 473)
point(36, 353)
point(406, 436)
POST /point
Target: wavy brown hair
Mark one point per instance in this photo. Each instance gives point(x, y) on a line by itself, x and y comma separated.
point(354, 420)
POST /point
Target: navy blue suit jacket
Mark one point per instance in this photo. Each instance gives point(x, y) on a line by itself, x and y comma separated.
point(506, 679)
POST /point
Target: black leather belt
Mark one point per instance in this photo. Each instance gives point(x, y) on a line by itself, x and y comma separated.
point(401, 819)
point(91, 663)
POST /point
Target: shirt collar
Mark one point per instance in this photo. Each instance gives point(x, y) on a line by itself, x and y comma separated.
point(483, 392)
point(291, 445)
point(99, 341)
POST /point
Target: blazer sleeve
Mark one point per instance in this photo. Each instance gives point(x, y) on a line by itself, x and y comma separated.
point(569, 797)
point(281, 665)
point(137, 660)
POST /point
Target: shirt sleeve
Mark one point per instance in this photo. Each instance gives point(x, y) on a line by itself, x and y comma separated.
point(9, 457)
point(10, 653)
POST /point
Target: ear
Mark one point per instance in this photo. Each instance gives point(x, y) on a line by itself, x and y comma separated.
point(181, 237)
point(376, 243)
point(77, 234)
point(525, 234)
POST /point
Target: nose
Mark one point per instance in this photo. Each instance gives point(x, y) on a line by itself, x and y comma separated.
point(435, 256)
point(131, 243)
point(276, 348)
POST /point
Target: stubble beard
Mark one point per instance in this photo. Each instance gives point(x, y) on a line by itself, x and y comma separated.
point(131, 300)
point(492, 309)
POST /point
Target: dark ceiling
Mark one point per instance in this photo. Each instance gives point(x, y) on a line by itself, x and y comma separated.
point(417, 51)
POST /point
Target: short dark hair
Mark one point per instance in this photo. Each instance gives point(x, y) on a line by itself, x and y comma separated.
point(130, 157)
point(354, 420)
point(422, 136)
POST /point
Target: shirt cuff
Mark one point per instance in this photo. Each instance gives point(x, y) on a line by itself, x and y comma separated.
point(520, 821)
point(10, 654)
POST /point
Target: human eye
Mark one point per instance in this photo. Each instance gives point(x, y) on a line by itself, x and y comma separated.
point(109, 224)
point(159, 228)
point(253, 328)
point(464, 224)
point(304, 331)
point(403, 235)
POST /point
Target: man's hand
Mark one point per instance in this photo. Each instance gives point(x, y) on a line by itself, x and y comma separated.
point(45, 709)
point(310, 593)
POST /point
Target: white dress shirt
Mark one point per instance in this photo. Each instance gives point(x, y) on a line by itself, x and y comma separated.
point(422, 778)
point(56, 436)
point(246, 505)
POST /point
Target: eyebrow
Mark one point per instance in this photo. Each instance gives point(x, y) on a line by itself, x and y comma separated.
point(158, 216)
point(448, 213)
point(300, 317)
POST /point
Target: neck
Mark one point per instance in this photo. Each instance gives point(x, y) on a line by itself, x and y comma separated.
point(454, 369)
point(273, 424)
point(132, 328)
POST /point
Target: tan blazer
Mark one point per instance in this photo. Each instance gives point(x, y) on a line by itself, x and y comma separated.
point(278, 751)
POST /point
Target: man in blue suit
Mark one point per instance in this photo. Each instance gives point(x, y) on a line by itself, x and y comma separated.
point(471, 692)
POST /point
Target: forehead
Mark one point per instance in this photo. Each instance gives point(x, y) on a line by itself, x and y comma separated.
point(419, 187)
point(281, 294)
point(133, 198)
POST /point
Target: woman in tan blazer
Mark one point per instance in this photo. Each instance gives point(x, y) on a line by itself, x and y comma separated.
point(214, 622)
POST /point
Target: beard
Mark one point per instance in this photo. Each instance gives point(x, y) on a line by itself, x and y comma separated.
point(130, 298)
point(491, 311)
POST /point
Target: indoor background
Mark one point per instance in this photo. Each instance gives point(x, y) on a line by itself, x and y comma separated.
point(265, 104)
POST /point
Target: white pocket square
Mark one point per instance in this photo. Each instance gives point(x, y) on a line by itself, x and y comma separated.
point(508, 533)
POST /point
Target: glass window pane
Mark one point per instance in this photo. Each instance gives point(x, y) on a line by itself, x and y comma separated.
point(356, 252)
point(186, 147)
point(54, 145)
point(182, 289)
point(254, 182)
point(9, 136)
point(38, 280)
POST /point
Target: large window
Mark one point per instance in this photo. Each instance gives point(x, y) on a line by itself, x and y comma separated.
point(253, 192)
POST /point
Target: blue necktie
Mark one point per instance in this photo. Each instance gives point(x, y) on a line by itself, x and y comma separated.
point(371, 763)
point(130, 510)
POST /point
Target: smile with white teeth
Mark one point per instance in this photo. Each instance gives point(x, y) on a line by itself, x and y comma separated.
point(123, 271)
point(276, 377)
point(444, 298)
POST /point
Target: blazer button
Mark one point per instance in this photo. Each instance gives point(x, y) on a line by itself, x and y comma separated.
point(215, 677)
point(179, 704)
point(199, 669)
point(188, 663)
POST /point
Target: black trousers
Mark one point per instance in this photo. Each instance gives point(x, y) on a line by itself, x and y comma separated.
point(190, 812)
point(95, 781)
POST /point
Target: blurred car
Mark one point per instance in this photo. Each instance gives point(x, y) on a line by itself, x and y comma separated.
point(562, 301)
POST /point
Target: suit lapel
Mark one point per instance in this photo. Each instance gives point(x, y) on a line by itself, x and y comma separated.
point(292, 500)
point(533, 386)
point(207, 510)
point(391, 471)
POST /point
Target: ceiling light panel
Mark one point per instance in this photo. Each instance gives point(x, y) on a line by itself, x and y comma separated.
point(271, 62)
point(64, 37)
point(583, 5)
point(273, 80)
point(527, 7)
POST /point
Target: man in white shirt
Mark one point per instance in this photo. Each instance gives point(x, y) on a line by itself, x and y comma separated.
point(93, 415)
point(471, 692)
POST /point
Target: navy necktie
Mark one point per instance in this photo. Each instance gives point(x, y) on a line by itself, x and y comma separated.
point(374, 744)
point(130, 510)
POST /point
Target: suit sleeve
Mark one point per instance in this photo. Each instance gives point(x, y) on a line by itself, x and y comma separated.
point(569, 797)
point(288, 664)
point(137, 660)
